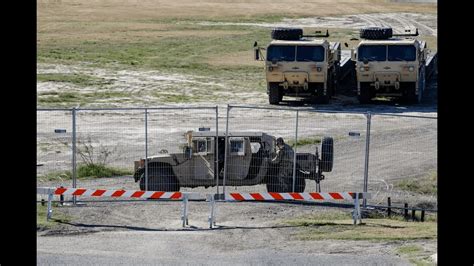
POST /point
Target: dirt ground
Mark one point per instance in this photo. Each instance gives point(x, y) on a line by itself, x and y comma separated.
point(245, 233)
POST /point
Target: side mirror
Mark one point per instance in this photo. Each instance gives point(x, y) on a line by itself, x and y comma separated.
point(353, 55)
point(257, 50)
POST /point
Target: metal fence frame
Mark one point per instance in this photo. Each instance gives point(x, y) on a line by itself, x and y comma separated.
point(369, 115)
point(74, 111)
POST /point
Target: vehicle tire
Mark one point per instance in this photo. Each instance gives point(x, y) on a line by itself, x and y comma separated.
point(275, 94)
point(327, 154)
point(365, 94)
point(376, 33)
point(288, 34)
point(160, 179)
point(410, 96)
point(320, 99)
point(285, 185)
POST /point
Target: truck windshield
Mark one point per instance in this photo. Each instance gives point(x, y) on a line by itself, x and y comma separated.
point(372, 53)
point(401, 53)
point(310, 53)
point(281, 53)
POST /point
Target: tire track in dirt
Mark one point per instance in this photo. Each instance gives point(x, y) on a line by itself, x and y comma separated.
point(398, 21)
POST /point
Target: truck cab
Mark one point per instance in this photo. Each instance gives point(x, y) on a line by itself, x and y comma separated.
point(303, 67)
point(393, 67)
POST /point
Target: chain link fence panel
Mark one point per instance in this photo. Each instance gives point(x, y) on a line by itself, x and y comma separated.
point(403, 160)
point(54, 148)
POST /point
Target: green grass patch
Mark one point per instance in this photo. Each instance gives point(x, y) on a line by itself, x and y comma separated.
point(305, 141)
point(56, 176)
point(409, 249)
point(339, 226)
point(86, 172)
point(97, 171)
point(76, 79)
point(74, 99)
point(415, 254)
point(57, 218)
point(312, 140)
point(427, 184)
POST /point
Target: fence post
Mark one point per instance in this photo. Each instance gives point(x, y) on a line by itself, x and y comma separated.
point(366, 168)
point(212, 206)
point(422, 218)
point(226, 150)
point(184, 218)
point(294, 151)
point(74, 153)
point(389, 203)
point(146, 149)
point(216, 151)
point(61, 198)
point(406, 211)
point(50, 207)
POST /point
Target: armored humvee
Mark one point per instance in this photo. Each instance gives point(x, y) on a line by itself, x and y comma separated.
point(298, 65)
point(249, 157)
point(389, 65)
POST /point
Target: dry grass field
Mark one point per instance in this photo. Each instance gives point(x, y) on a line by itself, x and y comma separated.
point(207, 44)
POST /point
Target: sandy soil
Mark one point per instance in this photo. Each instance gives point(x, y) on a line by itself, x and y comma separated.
point(426, 23)
point(246, 233)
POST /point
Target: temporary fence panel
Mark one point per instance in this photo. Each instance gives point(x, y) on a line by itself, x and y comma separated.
point(108, 141)
point(349, 133)
point(403, 160)
point(250, 164)
point(54, 147)
point(181, 146)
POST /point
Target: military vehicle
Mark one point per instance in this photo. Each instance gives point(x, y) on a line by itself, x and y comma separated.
point(249, 156)
point(298, 65)
point(388, 64)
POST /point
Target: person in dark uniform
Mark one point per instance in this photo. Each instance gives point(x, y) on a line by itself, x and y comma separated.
point(284, 159)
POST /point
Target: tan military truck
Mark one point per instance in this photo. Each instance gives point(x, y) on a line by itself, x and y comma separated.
point(248, 163)
point(389, 65)
point(298, 65)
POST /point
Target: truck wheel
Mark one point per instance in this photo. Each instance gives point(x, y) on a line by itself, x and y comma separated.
point(365, 94)
point(327, 154)
point(288, 34)
point(320, 99)
point(275, 94)
point(376, 33)
point(410, 96)
point(300, 185)
point(160, 179)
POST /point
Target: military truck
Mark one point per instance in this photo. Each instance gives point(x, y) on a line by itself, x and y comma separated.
point(390, 64)
point(249, 156)
point(298, 65)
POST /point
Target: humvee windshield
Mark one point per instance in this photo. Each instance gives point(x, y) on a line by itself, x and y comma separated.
point(380, 53)
point(303, 53)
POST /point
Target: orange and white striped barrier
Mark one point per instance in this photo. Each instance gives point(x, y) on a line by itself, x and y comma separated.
point(119, 193)
point(307, 196)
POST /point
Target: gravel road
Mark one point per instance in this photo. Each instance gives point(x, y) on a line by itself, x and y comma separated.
point(246, 234)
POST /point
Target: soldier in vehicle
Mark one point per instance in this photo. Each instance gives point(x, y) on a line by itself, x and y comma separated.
point(284, 160)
